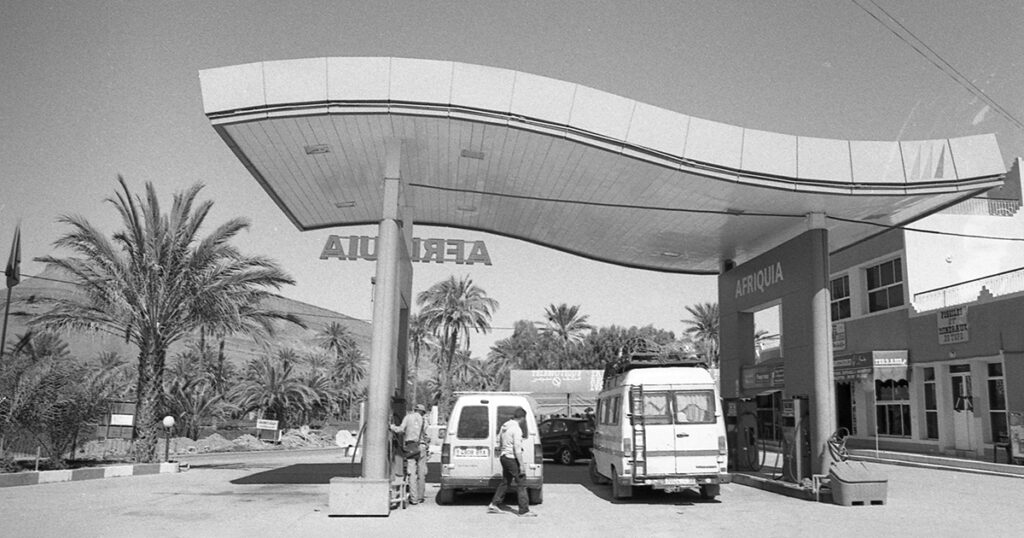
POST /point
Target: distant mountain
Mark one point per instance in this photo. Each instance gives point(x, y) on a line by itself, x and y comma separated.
point(26, 302)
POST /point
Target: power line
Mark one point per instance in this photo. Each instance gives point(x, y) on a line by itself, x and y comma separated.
point(938, 61)
point(731, 213)
point(921, 230)
point(606, 204)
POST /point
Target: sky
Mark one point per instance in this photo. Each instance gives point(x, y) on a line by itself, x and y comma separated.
point(90, 90)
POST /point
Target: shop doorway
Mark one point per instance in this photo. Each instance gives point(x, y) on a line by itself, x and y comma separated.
point(844, 407)
point(963, 407)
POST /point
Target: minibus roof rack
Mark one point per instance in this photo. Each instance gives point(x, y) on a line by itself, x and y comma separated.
point(653, 360)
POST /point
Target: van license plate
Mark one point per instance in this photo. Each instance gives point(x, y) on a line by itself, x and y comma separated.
point(472, 452)
point(675, 482)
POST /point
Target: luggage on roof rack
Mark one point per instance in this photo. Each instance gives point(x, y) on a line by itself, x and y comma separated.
point(651, 360)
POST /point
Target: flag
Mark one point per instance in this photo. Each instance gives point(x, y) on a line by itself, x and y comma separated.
point(13, 270)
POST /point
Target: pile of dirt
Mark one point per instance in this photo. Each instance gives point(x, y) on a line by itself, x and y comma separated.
point(304, 438)
point(250, 442)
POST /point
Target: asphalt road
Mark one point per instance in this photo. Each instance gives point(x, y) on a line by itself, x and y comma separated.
point(285, 494)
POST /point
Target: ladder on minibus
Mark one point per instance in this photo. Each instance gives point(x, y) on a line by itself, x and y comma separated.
point(636, 420)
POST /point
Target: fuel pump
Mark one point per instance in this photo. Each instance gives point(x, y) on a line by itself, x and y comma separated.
point(741, 433)
point(796, 442)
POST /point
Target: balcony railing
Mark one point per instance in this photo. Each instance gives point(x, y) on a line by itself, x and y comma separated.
point(999, 284)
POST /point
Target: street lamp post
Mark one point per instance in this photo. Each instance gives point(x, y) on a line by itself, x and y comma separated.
point(168, 424)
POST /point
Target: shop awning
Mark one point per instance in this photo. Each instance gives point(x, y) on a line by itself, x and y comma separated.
point(880, 365)
point(890, 365)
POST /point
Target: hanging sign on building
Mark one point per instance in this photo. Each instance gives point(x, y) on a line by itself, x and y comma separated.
point(767, 375)
point(838, 336)
point(458, 251)
point(852, 367)
point(952, 324)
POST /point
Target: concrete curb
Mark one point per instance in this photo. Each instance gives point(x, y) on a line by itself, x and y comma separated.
point(781, 488)
point(31, 478)
point(939, 462)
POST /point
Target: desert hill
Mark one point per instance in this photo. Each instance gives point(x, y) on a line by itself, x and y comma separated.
point(26, 303)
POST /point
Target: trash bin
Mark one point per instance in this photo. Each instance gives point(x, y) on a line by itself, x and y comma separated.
point(853, 484)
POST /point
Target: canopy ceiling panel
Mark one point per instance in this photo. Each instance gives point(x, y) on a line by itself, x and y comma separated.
point(567, 166)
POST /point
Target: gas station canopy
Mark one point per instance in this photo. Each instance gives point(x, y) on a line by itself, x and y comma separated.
point(567, 166)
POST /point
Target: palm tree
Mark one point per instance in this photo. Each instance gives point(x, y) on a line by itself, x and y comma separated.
point(419, 339)
point(337, 338)
point(194, 401)
point(449, 309)
point(272, 388)
point(317, 360)
point(288, 355)
point(703, 328)
point(349, 374)
point(565, 323)
point(156, 281)
point(324, 405)
point(468, 373)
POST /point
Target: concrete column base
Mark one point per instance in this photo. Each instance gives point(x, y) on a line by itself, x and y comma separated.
point(359, 497)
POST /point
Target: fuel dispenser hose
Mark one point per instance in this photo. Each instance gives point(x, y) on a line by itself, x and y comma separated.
point(755, 456)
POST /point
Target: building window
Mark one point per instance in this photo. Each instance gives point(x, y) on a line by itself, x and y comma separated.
point(885, 285)
point(892, 407)
point(840, 288)
point(931, 408)
point(997, 402)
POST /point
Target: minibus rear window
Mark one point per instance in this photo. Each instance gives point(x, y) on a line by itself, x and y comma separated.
point(656, 408)
point(695, 407)
point(472, 422)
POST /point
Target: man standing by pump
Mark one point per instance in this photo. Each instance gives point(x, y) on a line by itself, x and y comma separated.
point(416, 446)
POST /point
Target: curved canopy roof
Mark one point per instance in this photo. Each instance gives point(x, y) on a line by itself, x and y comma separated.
point(565, 165)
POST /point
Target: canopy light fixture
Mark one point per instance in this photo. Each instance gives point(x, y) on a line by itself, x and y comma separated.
point(734, 211)
point(671, 254)
point(317, 149)
point(347, 203)
point(467, 208)
point(470, 154)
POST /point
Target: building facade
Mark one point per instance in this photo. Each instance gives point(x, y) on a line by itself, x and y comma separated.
point(928, 332)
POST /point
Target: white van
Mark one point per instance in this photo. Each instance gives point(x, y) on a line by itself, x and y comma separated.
point(468, 459)
point(659, 425)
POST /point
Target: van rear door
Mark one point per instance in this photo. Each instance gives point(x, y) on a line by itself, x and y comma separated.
point(697, 432)
point(472, 447)
point(659, 433)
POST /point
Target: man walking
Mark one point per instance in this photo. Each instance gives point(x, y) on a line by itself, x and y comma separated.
point(416, 446)
point(512, 453)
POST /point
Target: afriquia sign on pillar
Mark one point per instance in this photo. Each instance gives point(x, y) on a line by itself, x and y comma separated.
point(458, 251)
point(952, 323)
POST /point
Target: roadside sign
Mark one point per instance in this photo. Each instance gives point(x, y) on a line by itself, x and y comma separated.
point(263, 424)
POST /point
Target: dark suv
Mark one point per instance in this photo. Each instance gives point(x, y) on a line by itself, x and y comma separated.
point(565, 439)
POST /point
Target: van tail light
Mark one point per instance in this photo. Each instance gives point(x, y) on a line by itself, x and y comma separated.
point(446, 454)
point(627, 445)
point(538, 454)
point(721, 445)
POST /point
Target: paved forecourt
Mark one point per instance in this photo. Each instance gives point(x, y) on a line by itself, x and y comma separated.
point(285, 494)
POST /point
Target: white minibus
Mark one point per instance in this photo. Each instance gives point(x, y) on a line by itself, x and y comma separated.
point(659, 424)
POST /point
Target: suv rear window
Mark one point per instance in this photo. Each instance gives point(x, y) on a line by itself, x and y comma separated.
point(472, 422)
